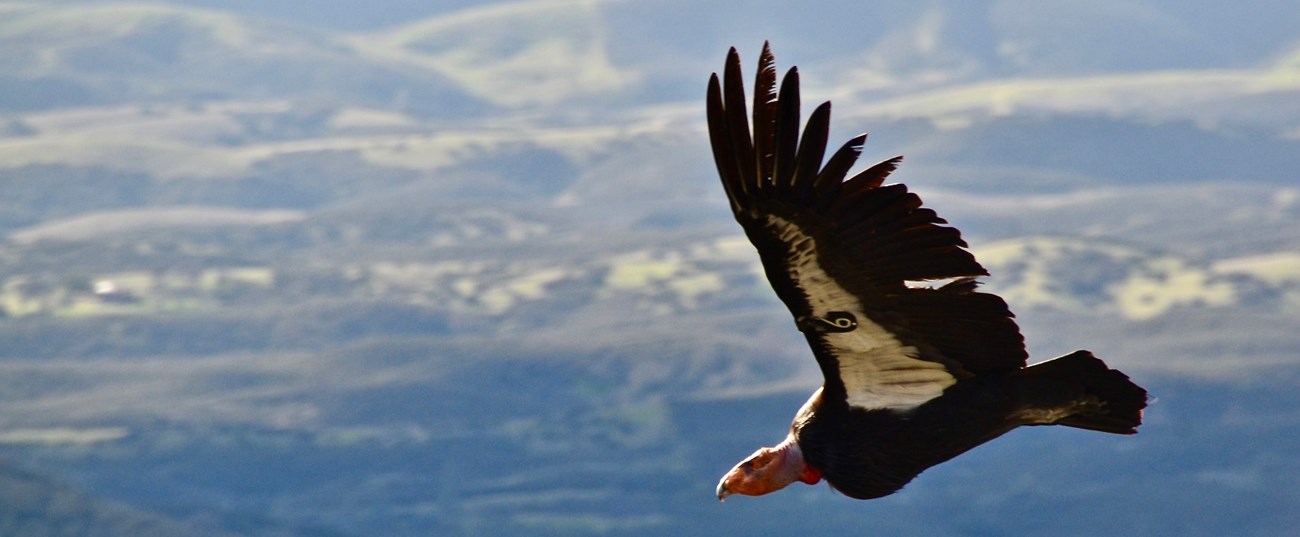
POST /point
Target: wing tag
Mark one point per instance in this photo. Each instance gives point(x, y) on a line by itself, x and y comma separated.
point(835, 321)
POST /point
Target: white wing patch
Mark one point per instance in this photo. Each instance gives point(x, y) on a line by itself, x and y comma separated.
point(878, 371)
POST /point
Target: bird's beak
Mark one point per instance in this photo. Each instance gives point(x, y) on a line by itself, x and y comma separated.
point(722, 490)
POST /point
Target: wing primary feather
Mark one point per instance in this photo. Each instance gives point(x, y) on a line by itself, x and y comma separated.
point(872, 177)
point(787, 130)
point(938, 238)
point(764, 112)
point(896, 209)
point(906, 233)
point(723, 150)
point(828, 183)
point(856, 205)
point(733, 93)
point(812, 148)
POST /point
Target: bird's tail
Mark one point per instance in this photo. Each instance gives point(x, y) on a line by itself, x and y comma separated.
point(1079, 390)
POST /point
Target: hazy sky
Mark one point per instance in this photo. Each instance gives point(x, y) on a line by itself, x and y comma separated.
point(338, 14)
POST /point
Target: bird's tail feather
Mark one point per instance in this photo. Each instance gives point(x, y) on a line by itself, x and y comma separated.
point(1102, 399)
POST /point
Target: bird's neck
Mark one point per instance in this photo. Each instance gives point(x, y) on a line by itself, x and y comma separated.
point(793, 466)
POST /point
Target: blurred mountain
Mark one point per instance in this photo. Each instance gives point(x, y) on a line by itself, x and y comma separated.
point(139, 54)
point(33, 505)
point(294, 269)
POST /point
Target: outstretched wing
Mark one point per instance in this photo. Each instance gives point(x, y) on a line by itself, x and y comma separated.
point(840, 253)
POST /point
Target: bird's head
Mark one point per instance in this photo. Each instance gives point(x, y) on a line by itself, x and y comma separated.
point(769, 469)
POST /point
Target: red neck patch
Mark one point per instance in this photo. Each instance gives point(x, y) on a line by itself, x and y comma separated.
point(810, 475)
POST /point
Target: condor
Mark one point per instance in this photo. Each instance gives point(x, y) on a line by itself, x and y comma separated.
point(913, 375)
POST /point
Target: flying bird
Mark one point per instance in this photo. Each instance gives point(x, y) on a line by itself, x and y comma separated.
point(918, 365)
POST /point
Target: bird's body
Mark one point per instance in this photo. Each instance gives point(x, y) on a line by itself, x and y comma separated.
point(914, 375)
